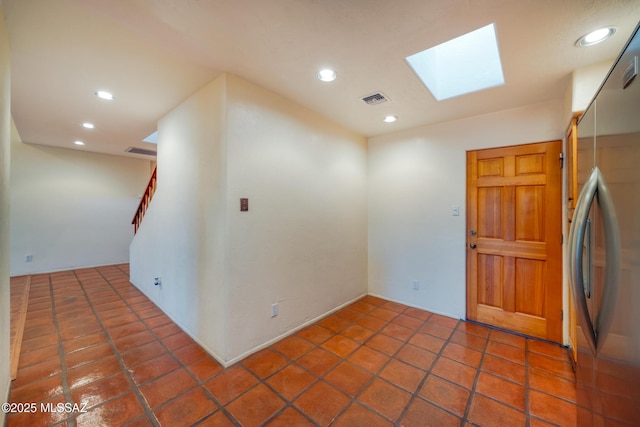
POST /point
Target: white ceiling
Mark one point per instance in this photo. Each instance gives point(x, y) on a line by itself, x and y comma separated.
point(152, 54)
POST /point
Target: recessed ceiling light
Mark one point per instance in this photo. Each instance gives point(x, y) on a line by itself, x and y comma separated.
point(595, 37)
point(79, 143)
point(468, 63)
point(390, 119)
point(103, 94)
point(88, 125)
point(327, 75)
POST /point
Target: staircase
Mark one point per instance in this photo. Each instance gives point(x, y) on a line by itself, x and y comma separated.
point(144, 203)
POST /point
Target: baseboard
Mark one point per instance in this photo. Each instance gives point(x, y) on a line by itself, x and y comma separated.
point(290, 332)
point(441, 313)
point(206, 348)
point(67, 268)
point(227, 363)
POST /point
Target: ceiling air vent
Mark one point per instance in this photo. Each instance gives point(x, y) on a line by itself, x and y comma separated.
point(375, 98)
point(134, 150)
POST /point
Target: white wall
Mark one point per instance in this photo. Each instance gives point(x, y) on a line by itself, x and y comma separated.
point(5, 136)
point(415, 177)
point(182, 238)
point(71, 208)
point(585, 82)
point(302, 244)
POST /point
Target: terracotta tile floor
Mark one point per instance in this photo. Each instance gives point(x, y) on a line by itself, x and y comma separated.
point(93, 339)
point(19, 293)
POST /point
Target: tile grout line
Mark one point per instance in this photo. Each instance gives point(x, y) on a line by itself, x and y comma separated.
point(152, 419)
point(342, 359)
point(147, 410)
point(317, 378)
point(288, 403)
point(440, 355)
point(526, 386)
point(416, 330)
point(71, 419)
point(376, 375)
point(321, 378)
point(414, 395)
point(62, 312)
point(199, 383)
point(151, 415)
point(472, 393)
point(64, 308)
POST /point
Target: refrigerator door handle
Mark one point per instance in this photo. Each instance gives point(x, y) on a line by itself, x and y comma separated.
point(589, 255)
point(612, 262)
point(576, 248)
point(595, 186)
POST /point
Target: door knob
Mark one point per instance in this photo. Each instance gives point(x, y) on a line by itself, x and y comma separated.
point(472, 245)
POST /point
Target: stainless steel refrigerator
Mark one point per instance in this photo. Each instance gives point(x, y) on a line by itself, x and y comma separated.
point(604, 249)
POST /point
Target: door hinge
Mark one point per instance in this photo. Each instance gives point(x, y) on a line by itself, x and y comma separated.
point(561, 160)
point(562, 239)
point(561, 314)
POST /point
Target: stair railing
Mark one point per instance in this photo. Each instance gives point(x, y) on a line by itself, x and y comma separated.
point(144, 202)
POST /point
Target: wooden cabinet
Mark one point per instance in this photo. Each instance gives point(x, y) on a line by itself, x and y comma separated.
point(572, 198)
point(571, 162)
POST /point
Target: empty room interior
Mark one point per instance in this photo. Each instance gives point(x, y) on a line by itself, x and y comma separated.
point(294, 213)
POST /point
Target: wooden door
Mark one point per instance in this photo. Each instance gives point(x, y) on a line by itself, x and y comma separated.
point(514, 238)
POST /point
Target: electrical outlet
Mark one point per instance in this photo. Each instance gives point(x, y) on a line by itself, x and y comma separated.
point(157, 281)
point(416, 285)
point(28, 258)
point(274, 309)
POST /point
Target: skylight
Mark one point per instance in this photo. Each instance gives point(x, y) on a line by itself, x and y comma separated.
point(152, 139)
point(466, 64)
